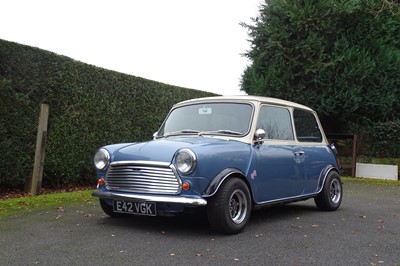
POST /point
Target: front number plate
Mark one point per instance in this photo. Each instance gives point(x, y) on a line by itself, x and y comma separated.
point(132, 207)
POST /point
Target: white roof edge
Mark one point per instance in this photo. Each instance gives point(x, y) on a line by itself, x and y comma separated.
point(247, 98)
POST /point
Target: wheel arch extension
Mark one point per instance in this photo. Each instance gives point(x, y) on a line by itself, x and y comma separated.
point(221, 177)
point(324, 174)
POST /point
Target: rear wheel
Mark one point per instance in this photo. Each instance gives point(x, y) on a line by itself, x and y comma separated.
point(229, 209)
point(330, 197)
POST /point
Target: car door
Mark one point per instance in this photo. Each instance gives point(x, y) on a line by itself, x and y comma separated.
point(280, 167)
point(316, 153)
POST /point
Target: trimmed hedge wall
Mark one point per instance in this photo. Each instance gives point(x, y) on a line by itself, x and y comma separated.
point(89, 107)
point(385, 139)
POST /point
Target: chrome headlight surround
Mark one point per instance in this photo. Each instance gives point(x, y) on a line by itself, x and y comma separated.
point(185, 161)
point(101, 159)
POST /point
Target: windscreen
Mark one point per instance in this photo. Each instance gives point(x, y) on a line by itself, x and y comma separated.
point(220, 118)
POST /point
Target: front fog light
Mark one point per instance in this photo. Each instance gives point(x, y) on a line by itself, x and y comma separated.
point(101, 159)
point(185, 161)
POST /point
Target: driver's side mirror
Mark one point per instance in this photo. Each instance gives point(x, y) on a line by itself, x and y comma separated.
point(259, 135)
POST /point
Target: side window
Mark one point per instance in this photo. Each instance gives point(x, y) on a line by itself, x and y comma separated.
point(276, 122)
point(306, 126)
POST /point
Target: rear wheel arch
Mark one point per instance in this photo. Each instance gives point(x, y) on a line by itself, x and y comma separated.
point(330, 196)
point(324, 174)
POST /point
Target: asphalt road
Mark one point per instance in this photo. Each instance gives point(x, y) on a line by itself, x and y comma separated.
point(364, 231)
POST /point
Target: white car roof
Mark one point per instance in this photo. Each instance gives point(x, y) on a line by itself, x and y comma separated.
point(245, 99)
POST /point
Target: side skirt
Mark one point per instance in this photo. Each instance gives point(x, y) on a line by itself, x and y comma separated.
point(287, 200)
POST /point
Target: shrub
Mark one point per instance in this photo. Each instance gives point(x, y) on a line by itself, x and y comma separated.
point(89, 107)
point(385, 139)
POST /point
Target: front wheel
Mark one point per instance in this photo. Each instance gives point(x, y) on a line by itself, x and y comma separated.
point(330, 197)
point(229, 209)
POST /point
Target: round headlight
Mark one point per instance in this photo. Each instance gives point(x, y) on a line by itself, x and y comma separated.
point(101, 159)
point(185, 161)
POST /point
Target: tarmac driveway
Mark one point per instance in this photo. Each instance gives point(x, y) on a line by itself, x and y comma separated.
point(364, 231)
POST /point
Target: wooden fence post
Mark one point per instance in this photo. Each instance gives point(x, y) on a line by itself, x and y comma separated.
point(354, 156)
point(36, 182)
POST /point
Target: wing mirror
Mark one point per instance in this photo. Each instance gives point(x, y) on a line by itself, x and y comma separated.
point(259, 135)
point(155, 135)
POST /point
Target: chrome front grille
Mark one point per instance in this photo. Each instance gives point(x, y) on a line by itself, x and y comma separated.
point(143, 177)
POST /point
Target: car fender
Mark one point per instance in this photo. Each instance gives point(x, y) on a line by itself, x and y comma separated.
point(324, 174)
point(220, 178)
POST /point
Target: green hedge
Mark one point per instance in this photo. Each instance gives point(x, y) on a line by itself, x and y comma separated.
point(89, 107)
point(385, 139)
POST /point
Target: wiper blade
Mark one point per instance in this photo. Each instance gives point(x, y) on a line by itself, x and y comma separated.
point(221, 131)
point(180, 132)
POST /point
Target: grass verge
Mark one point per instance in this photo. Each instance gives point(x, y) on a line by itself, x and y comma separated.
point(15, 206)
point(370, 181)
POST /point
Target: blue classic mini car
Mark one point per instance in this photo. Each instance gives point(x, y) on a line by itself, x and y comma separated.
point(224, 154)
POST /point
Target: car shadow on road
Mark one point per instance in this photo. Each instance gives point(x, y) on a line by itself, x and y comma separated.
point(181, 224)
point(197, 224)
point(282, 211)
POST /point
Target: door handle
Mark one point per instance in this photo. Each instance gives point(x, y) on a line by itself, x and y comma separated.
point(299, 153)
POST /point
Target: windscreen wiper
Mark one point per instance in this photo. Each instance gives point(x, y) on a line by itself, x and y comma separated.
point(180, 132)
point(221, 131)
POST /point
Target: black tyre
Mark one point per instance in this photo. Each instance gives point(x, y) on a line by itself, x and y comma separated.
point(229, 209)
point(108, 209)
point(330, 197)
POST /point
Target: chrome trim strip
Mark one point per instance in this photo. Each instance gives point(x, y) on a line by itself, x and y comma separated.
point(165, 199)
point(150, 163)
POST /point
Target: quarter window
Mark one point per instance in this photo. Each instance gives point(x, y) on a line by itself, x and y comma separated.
point(307, 129)
point(276, 122)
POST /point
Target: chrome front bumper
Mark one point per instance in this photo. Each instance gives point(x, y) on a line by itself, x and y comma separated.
point(154, 198)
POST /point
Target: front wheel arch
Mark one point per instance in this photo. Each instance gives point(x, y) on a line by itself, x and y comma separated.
point(215, 184)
